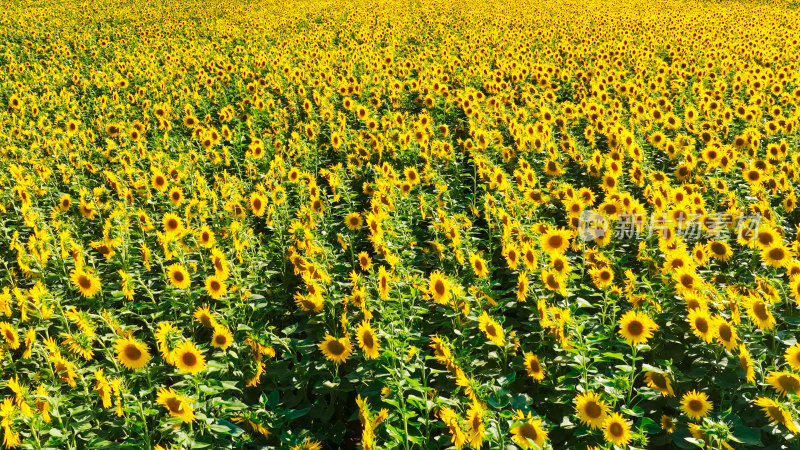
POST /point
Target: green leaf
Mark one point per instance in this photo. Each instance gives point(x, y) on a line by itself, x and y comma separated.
point(747, 435)
point(649, 426)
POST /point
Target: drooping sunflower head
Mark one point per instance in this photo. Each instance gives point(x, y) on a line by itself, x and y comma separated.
point(439, 287)
point(534, 367)
point(367, 340)
point(659, 381)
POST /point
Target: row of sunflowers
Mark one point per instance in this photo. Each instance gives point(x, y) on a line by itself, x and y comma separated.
point(399, 224)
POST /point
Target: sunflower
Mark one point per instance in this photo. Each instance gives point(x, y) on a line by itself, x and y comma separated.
point(636, 328)
point(176, 195)
point(205, 237)
point(719, 250)
point(205, 316)
point(660, 382)
point(159, 182)
point(65, 202)
point(617, 430)
point(367, 340)
point(725, 334)
point(88, 285)
point(555, 240)
point(178, 276)
point(766, 237)
point(530, 431)
point(534, 367)
point(696, 405)
point(308, 444)
point(177, 405)
point(221, 269)
point(383, 283)
point(131, 353)
point(172, 224)
point(699, 254)
point(746, 363)
point(686, 279)
point(476, 429)
point(784, 382)
point(591, 409)
point(553, 282)
point(777, 255)
point(792, 356)
point(523, 287)
point(794, 288)
point(258, 203)
point(336, 350)
point(760, 314)
point(10, 335)
point(479, 267)
point(353, 221)
point(602, 277)
point(309, 302)
point(776, 413)
point(188, 358)
point(511, 253)
point(215, 287)
point(492, 329)
point(439, 287)
point(667, 424)
point(701, 324)
point(364, 261)
point(222, 337)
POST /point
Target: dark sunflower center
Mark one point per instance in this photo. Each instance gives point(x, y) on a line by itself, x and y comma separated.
point(528, 431)
point(189, 359)
point(777, 254)
point(695, 405)
point(132, 352)
point(439, 287)
point(635, 328)
point(725, 333)
point(174, 405)
point(760, 311)
point(593, 410)
point(335, 348)
point(84, 282)
point(367, 339)
point(789, 384)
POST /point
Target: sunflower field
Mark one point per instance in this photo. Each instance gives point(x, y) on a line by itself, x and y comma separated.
point(397, 224)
